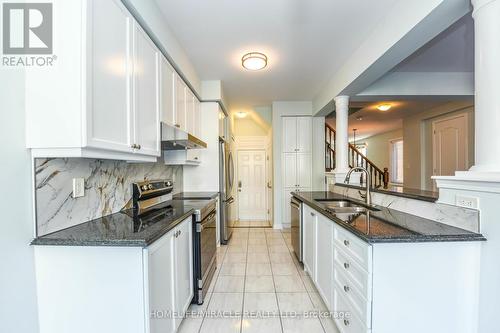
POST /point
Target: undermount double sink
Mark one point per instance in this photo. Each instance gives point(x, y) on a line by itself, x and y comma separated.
point(345, 206)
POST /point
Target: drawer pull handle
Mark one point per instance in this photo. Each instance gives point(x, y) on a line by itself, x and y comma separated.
point(346, 322)
point(346, 265)
point(346, 289)
point(346, 242)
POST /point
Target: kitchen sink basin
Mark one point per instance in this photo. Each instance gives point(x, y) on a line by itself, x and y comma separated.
point(345, 207)
point(339, 204)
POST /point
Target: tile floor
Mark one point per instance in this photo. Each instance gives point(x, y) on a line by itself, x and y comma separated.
point(258, 284)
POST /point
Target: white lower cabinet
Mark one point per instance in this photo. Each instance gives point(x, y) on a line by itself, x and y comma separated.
point(391, 287)
point(103, 289)
point(324, 258)
point(309, 251)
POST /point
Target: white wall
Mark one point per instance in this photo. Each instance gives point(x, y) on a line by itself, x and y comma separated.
point(18, 308)
point(283, 109)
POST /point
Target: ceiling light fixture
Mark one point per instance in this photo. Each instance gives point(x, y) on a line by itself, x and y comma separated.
point(241, 114)
point(254, 61)
point(384, 107)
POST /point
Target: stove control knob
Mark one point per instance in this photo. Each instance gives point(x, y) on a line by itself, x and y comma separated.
point(144, 187)
point(150, 186)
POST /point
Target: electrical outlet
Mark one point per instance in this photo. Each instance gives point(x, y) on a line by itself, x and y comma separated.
point(467, 202)
point(78, 187)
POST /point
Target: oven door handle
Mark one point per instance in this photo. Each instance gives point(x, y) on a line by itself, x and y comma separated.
point(200, 226)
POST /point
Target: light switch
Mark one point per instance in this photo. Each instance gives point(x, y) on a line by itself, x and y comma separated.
point(78, 187)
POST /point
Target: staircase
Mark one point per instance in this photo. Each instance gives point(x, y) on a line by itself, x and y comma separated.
point(356, 158)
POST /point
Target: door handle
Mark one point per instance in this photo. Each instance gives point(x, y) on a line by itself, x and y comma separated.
point(269, 185)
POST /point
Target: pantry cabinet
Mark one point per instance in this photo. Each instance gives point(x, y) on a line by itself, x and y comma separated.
point(296, 159)
point(108, 90)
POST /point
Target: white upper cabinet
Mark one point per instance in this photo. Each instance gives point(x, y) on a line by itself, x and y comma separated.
point(109, 103)
point(180, 103)
point(190, 110)
point(297, 134)
point(167, 100)
point(146, 94)
point(108, 91)
point(289, 134)
point(304, 134)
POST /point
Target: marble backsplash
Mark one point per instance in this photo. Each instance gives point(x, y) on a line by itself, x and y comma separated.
point(455, 216)
point(107, 188)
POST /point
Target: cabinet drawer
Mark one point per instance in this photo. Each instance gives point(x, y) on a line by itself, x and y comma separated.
point(357, 276)
point(354, 247)
point(359, 303)
point(350, 323)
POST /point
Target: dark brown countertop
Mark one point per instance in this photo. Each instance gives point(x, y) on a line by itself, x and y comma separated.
point(385, 225)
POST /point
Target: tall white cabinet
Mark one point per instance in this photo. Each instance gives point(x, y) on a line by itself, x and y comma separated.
point(296, 159)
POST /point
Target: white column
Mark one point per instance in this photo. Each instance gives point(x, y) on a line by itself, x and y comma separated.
point(342, 138)
point(486, 16)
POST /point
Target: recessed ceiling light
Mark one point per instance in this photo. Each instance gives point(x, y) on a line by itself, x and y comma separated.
point(254, 61)
point(384, 107)
point(241, 114)
point(359, 118)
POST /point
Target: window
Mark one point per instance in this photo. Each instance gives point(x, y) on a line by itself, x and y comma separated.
point(396, 151)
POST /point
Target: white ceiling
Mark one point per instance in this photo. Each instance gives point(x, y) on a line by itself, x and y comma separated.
point(306, 42)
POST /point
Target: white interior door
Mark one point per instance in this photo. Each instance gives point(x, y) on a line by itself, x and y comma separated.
point(450, 146)
point(252, 185)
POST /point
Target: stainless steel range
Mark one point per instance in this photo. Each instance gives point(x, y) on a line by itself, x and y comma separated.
point(152, 201)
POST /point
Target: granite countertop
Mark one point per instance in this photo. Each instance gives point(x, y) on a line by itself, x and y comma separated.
point(399, 191)
point(195, 195)
point(386, 225)
point(123, 229)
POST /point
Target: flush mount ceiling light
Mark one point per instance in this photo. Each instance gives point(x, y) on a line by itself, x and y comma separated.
point(254, 61)
point(384, 107)
point(241, 114)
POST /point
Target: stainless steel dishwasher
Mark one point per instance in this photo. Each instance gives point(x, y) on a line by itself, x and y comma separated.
point(296, 226)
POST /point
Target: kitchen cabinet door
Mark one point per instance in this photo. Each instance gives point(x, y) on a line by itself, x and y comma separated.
point(167, 97)
point(180, 103)
point(289, 131)
point(190, 116)
point(197, 118)
point(324, 267)
point(161, 282)
point(304, 134)
point(146, 94)
point(309, 237)
point(109, 114)
point(304, 167)
point(183, 267)
point(289, 170)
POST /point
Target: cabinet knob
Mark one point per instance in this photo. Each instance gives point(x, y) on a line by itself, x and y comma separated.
point(138, 146)
point(133, 146)
point(196, 158)
point(180, 231)
point(346, 289)
point(346, 265)
point(346, 242)
point(177, 125)
point(346, 322)
point(312, 214)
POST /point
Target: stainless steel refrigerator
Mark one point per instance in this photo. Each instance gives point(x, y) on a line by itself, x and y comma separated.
point(226, 182)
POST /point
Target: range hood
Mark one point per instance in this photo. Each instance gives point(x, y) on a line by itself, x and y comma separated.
point(173, 138)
